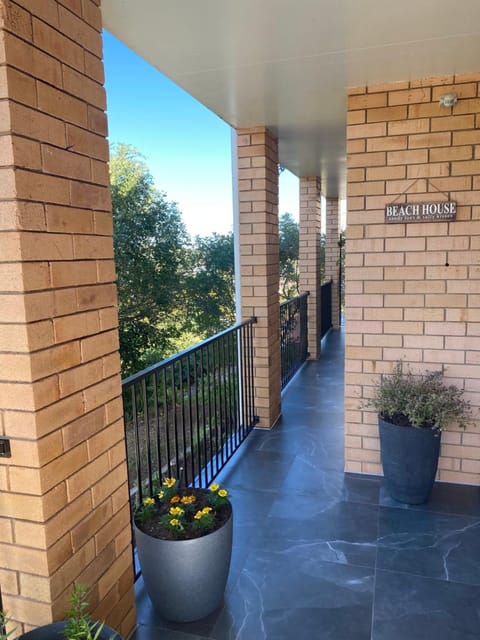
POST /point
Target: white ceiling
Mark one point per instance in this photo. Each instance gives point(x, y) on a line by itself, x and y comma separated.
point(285, 63)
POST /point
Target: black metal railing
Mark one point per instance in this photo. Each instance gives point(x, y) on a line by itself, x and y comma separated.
point(326, 307)
point(187, 415)
point(293, 336)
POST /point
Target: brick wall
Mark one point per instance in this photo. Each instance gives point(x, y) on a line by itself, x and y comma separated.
point(403, 301)
point(64, 514)
point(309, 257)
point(257, 152)
point(332, 255)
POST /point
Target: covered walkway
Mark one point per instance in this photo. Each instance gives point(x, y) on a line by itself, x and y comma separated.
point(319, 554)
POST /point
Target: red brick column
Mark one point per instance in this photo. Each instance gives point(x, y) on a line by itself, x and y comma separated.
point(332, 256)
point(64, 512)
point(259, 262)
point(309, 258)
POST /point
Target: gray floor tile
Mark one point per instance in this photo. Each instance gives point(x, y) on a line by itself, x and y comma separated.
point(417, 608)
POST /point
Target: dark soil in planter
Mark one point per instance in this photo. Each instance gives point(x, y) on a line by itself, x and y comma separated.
point(154, 526)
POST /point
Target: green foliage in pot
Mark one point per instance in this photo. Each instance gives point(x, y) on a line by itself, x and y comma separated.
point(4, 634)
point(79, 625)
point(422, 401)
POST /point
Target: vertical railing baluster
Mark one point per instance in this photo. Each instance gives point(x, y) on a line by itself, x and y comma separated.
point(189, 375)
point(196, 383)
point(245, 382)
point(168, 440)
point(213, 373)
point(175, 418)
point(146, 425)
point(221, 379)
point(210, 405)
point(137, 444)
point(181, 391)
point(158, 441)
point(252, 418)
point(226, 397)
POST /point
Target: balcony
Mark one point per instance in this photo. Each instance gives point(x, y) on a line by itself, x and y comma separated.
point(323, 554)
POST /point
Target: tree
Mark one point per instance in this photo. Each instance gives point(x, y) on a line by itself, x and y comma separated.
point(150, 243)
point(289, 250)
point(210, 291)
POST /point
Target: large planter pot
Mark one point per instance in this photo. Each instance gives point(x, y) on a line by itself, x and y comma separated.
point(410, 460)
point(186, 579)
point(55, 631)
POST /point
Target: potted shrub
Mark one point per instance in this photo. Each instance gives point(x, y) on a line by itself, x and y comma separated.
point(78, 625)
point(412, 412)
point(184, 544)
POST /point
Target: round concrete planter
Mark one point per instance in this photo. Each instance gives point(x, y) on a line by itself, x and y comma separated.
point(409, 460)
point(55, 631)
point(186, 579)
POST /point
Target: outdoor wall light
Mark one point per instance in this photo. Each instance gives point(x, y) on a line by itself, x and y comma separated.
point(448, 100)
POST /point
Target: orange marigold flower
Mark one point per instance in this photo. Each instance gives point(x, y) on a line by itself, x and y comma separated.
point(175, 499)
point(188, 499)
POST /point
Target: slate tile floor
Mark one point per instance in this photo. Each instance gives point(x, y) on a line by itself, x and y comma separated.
point(319, 554)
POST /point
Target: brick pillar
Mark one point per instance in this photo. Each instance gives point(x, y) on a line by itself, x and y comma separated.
point(332, 256)
point(309, 259)
point(259, 262)
point(64, 511)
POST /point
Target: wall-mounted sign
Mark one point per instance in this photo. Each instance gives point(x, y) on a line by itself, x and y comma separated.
point(421, 212)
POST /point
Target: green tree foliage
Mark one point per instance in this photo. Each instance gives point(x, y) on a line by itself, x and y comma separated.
point(289, 250)
point(172, 292)
point(210, 291)
point(150, 252)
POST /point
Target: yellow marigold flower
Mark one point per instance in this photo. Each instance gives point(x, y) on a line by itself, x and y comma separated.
point(176, 511)
point(214, 487)
point(161, 494)
point(223, 493)
point(174, 522)
point(148, 501)
point(206, 510)
point(169, 482)
point(199, 515)
point(188, 499)
point(175, 499)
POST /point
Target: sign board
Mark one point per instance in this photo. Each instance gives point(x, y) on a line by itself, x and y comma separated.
point(421, 212)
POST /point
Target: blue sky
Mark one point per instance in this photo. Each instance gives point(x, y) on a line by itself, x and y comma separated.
point(186, 146)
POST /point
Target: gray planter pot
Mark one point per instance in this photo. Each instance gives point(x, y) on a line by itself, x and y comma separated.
point(186, 579)
point(409, 460)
